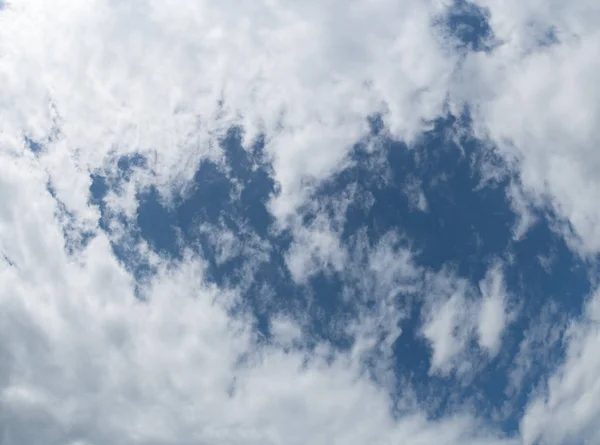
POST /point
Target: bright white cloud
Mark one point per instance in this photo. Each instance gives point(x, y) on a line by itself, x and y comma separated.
point(446, 333)
point(493, 312)
point(449, 324)
point(167, 79)
point(538, 102)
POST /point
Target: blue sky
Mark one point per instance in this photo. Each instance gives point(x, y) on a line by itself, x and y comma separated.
point(268, 222)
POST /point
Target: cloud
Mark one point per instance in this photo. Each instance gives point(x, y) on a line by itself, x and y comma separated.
point(91, 355)
point(167, 81)
point(493, 312)
point(460, 321)
point(316, 248)
point(448, 328)
point(416, 196)
point(522, 208)
point(538, 350)
point(285, 331)
point(566, 411)
point(536, 99)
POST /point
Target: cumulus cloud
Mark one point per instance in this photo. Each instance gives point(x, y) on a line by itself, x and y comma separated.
point(460, 320)
point(90, 355)
point(167, 80)
point(535, 97)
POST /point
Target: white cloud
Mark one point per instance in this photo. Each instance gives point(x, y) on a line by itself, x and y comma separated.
point(568, 411)
point(493, 312)
point(445, 333)
point(539, 104)
point(383, 280)
point(537, 348)
point(458, 318)
point(522, 208)
point(285, 331)
point(167, 79)
point(538, 101)
point(316, 248)
point(449, 324)
point(93, 80)
point(229, 244)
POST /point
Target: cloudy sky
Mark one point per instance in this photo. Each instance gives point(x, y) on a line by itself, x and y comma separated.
point(240, 222)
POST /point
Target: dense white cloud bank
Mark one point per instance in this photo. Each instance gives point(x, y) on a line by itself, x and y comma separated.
point(83, 361)
point(164, 78)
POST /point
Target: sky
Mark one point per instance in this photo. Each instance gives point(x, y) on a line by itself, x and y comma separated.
point(318, 222)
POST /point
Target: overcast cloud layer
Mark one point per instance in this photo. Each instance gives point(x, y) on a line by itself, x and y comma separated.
point(317, 222)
